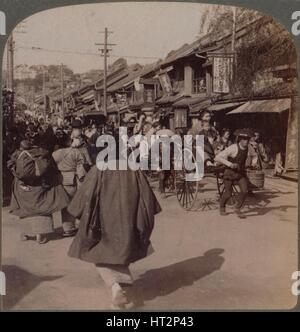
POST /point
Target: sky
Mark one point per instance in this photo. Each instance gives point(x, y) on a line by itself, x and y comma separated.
point(147, 31)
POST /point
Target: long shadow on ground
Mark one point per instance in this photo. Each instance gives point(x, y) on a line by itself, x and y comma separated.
point(166, 280)
point(19, 283)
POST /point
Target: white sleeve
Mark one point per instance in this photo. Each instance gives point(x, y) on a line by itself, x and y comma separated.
point(223, 156)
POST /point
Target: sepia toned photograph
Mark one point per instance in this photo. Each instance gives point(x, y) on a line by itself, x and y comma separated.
point(149, 159)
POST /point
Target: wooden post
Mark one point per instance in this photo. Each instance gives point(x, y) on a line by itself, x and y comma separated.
point(62, 90)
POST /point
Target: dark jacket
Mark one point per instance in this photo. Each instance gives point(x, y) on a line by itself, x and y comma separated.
point(123, 205)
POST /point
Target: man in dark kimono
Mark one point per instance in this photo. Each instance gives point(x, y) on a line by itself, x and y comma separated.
point(116, 209)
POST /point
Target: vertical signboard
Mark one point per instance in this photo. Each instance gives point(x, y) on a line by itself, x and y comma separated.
point(180, 119)
point(165, 82)
point(222, 73)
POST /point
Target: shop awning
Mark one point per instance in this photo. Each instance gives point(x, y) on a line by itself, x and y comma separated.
point(263, 106)
point(197, 108)
point(224, 106)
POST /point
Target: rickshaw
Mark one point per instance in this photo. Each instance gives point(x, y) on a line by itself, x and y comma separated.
point(189, 193)
point(189, 189)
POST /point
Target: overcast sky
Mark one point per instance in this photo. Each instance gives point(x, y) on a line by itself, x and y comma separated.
point(140, 29)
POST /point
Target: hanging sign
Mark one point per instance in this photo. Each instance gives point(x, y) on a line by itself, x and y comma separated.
point(165, 82)
point(222, 72)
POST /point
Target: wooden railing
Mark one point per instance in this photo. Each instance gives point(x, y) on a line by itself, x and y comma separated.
point(199, 85)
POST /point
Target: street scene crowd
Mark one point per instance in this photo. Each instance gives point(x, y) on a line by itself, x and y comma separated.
point(50, 153)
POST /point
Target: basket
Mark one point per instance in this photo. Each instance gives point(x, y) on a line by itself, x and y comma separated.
point(256, 179)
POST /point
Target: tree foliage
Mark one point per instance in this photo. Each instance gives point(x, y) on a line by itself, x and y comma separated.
point(267, 46)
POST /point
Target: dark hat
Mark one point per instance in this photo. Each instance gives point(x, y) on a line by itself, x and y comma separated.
point(245, 133)
point(76, 123)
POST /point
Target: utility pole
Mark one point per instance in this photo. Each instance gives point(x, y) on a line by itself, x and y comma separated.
point(233, 49)
point(62, 90)
point(10, 66)
point(233, 29)
point(105, 53)
point(10, 55)
point(10, 63)
point(44, 94)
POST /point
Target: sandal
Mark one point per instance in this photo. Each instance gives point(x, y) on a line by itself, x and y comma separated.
point(126, 306)
point(119, 298)
point(40, 239)
point(24, 237)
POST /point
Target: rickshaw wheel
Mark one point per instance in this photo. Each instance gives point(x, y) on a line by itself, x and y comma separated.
point(186, 191)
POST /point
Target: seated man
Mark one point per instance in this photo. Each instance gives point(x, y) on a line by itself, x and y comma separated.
point(234, 158)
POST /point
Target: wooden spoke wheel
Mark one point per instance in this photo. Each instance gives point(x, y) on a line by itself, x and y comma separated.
point(187, 185)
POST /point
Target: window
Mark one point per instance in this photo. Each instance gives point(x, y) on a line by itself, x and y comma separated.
point(199, 85)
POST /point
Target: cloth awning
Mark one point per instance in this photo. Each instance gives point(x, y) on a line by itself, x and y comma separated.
point(224, 106)
point(263, 106)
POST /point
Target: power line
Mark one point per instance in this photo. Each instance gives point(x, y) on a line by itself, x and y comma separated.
point(33, 48)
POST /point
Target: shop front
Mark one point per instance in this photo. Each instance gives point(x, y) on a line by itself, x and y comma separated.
point(275, 120)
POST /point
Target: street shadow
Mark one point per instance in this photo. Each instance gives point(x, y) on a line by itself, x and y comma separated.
point(258, 204)
point(261, 211)
point(166, 280)
point(19, 283)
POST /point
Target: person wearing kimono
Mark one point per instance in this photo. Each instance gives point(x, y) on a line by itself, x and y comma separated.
point(80, 142)
point(203, 127)
point(116, 209)
point(70, 162)
point(223, 141)
point(257, 156)
point(37, 193)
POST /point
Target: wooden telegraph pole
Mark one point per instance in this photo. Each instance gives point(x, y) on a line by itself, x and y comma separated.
point(233, 76)
point(105, 53)
point(10, 63)
point(62, 90)
point(44, 94)
point(233, 29)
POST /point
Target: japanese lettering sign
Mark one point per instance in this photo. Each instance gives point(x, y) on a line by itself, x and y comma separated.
point(165, 82)
point(222, 73)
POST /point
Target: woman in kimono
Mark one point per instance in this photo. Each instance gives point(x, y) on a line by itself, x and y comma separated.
point(36, 193)
point(116, 209)
point(70, 163)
